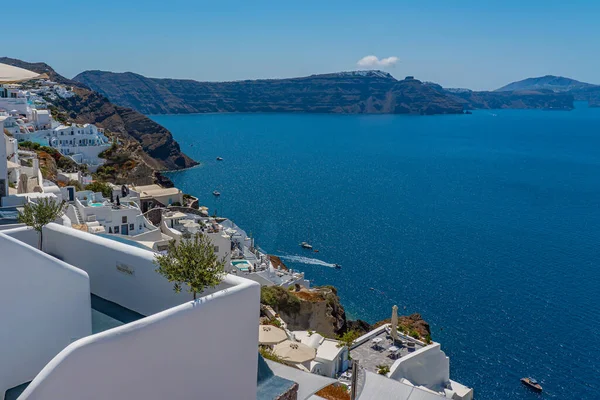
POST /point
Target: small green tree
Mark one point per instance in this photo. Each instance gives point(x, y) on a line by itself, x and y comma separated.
point(37, 215)
point(193, 262)
point(348, 338)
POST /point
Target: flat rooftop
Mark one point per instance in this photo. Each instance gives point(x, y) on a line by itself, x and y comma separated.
point(370, 357)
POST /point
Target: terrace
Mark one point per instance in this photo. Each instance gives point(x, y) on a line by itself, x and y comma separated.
point(372, 349)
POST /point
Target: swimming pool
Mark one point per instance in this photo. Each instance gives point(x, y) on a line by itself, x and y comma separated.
point(242, 265)
point(96, 204)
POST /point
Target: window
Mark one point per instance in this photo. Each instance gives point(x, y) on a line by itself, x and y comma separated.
point(124, 220)
point(216, 249)
point(131, 227)
point(116, 229)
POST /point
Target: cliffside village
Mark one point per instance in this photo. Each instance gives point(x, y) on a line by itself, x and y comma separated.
point(87, 316)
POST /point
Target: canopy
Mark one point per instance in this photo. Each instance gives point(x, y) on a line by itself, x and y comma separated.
point(269, 335)
point(295, 352)
point(10, 74)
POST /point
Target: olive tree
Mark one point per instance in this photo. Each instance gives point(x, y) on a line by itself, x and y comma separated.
point(39, 214)
point(191, 261)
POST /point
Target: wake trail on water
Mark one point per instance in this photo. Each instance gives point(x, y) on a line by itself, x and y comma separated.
point(307, 260)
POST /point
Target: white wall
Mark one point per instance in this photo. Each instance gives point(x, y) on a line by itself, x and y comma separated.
point(427, 367)
point(204, 349)
point(143, 290)
point(44, 306)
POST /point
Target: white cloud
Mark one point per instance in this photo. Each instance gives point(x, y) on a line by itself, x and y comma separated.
point(373, 61)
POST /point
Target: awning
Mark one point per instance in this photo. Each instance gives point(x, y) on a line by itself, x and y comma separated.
point(10, 74)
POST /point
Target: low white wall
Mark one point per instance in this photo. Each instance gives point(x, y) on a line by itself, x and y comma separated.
point(427, 367)
point(24, 234)
point(44, 304)
point(118, 272)
point(205, 349)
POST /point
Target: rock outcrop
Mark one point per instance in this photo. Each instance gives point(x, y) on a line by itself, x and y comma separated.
point(319, 309)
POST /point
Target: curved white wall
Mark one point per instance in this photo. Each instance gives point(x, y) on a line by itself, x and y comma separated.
point(44, 306)
point(427, 367)
point(204, 349)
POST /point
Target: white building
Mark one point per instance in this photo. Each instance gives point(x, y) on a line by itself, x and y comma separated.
point(331, 359)
point(104, 325)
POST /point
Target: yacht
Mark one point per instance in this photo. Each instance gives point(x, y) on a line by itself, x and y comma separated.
point(215, 193)
point(305, 245)
point(532, 384)
point(219, 158)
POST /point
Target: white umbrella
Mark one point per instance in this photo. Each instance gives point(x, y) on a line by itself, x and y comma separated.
point(295, 352)
point(269, 335)
point(394, 331)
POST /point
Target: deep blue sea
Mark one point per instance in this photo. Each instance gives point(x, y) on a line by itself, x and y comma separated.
point(486, 224)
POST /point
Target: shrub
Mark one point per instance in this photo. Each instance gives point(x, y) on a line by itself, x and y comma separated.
point(280, 299)
point(176, 204)
point(383, 369)
point(102, 187)
point(413, 333)
point(268, 354)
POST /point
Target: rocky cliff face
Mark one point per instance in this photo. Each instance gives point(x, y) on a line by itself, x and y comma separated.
point(360, 92)
point(319, 309)
point(523, 99)
point(152, 145)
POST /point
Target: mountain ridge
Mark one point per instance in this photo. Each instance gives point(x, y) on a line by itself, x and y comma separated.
point(548, 82)
point(350, 92)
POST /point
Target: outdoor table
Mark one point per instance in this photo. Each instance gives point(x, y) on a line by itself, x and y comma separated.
point(394, 350)
point(376, 341)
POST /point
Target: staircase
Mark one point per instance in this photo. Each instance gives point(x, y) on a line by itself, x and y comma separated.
point(78, 215)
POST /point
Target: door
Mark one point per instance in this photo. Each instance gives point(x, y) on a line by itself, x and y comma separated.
point(71, 192)
point(124, 229)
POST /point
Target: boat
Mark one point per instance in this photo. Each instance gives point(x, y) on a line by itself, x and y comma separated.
point(215, 193)
point(337, 266)
point(532, 384)
point(219, 158)
point(305, 245)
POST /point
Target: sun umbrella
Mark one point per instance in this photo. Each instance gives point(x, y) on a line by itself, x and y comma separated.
point(394, 327)
point(295, 352)
point(10, 74)
point(268, 335)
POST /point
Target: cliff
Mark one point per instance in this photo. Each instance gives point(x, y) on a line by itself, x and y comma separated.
point(358, 92)
point(523, 99)
point(151, 146)
point(319, 309)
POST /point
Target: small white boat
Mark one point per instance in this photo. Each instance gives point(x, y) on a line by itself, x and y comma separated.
point(305, 245)
point(219, 158)
point(215, 193)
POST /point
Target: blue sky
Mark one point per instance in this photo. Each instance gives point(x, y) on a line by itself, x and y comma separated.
point(474, 44)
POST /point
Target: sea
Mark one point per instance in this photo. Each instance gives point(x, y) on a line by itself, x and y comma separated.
point(488, 225)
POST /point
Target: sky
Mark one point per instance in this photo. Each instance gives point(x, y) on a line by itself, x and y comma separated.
point(480, 45)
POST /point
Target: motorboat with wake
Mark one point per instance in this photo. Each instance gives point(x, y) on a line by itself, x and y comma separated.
point(337, 266)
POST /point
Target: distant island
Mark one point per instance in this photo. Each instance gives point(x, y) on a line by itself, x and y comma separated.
point(580, 91)
point(355, 92)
